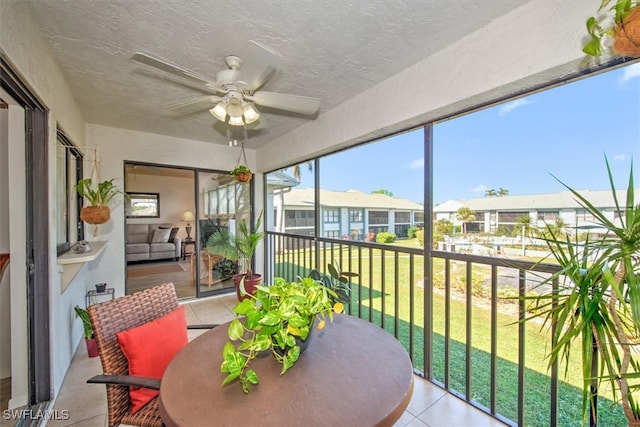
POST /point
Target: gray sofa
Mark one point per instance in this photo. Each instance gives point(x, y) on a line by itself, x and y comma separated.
point(152, 241)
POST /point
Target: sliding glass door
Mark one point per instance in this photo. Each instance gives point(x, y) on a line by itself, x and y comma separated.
point(222, 204)
point(187, 205)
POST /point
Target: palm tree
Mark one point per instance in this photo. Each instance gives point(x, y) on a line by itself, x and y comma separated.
point(503, 192)
point(490, 193)
point(465, 215)
point(523, 221)
point(558, 230)
point(296, 170)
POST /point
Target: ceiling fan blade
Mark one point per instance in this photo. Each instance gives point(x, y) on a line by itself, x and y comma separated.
point(163, 65)
point(193, 104)
point(282, 101)
point(258, 67)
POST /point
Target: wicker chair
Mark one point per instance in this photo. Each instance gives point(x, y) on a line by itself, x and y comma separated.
point(109, 318)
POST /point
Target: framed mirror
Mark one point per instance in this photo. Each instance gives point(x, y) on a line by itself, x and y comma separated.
point(143, 205)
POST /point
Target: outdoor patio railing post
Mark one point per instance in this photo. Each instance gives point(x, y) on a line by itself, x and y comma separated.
point(469, 330)
point(494, 336)
point(521, 344)
point(593, 401)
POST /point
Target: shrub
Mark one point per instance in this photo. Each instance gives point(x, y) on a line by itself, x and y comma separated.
point(386, 237)
point(478, 289)
point(226, 267)
point(411, 232)
point(420, 237)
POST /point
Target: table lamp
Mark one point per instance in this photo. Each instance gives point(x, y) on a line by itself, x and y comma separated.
point(188, 216)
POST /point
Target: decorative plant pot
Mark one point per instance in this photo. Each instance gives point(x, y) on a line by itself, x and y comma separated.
point(303, 344)
point(92, 347)
point(101, 287)
point(250, 284)
point(95, 214)
point(627, 35)
point(243, 177)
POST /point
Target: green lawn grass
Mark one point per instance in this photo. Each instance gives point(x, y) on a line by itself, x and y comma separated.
point(373, 266)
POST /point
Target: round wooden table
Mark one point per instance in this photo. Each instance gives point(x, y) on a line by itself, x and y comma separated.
point(352, 374)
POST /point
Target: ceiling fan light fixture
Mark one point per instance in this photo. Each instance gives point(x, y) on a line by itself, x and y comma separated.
point(219, 111)
point(250, 113)
point(236, 121)
point(234, 109)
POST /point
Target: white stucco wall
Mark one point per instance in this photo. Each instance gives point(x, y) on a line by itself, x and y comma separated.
point(533, 44)
point(176, 196)
point(23, 47)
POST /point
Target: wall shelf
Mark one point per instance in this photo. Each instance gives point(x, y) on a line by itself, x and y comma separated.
point(70, 263)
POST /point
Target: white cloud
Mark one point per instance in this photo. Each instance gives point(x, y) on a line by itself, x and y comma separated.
point(619, 157)
point(480, 189)
point(510, 106)
point(417, 163)
point(630, 72)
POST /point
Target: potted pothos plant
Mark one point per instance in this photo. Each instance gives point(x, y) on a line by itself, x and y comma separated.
point(241, 245)
point(242, 173)
point(90, 342)
point(619, 21)
point(597, 301)
point(96, 209)
point(278, 319)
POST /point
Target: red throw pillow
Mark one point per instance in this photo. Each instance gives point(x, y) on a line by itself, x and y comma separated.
point(149, 349)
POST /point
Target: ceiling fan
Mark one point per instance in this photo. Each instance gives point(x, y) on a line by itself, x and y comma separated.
point(234, 93)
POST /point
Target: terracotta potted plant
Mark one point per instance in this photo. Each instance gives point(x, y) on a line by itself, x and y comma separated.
point(242, 173)
point(279, 319)
point(89, 340)
point(96, 211)
point(241, 245)
point(620, 21)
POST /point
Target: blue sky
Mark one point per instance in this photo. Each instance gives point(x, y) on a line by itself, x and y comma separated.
point(565, 131)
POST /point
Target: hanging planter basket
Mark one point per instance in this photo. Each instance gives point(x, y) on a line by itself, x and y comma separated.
point(241, 171)
point(95, 214)
point(627, 35)
point(243, 177)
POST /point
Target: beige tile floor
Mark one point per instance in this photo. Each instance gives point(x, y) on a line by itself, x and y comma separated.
point(87, 406)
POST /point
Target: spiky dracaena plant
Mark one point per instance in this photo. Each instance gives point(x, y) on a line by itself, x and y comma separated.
point(597, 300)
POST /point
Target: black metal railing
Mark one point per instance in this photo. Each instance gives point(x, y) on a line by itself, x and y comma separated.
point(446, 330)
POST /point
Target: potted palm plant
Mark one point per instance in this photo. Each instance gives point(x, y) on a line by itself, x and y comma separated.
point(89, 340)
point(241, 245)
point(97, 211)
point(279, 319)
point(597, 302)
point(620, 21)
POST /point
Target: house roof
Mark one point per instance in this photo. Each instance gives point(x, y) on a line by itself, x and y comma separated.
point(280, 179)
point(350, 199)
point(557, 201)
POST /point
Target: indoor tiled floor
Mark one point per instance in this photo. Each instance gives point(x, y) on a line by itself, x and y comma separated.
point(87, 406)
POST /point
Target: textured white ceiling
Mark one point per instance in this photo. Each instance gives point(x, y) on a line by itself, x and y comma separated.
point(331, 49)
